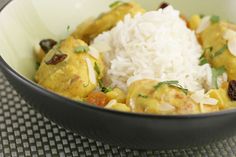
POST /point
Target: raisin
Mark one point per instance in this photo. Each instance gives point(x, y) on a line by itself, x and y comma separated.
point(232, 90)
point(163, 5)
point(47, 44)
point(57, 58)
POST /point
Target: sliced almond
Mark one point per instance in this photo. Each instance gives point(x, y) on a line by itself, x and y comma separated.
point(232, 46)
point(203, 99)
point(202, 108)
point(166, 107)
point(198, 96)
point(111, 103)
point(205, 22)
point(210, 101)
point(92, 74)
point(229, 34)
point(132, 104)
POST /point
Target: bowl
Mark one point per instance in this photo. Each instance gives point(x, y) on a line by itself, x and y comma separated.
point(23, 23)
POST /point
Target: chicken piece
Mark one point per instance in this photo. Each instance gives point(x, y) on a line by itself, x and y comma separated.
point(215, 47)
point(68, 69)
point(89, 30)
point(143, 97)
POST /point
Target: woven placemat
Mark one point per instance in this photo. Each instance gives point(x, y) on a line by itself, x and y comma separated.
point(25, 133)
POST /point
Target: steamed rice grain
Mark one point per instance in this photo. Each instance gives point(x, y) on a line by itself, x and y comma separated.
point(156, 45)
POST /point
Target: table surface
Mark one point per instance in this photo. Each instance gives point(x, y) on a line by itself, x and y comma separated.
point(24, 132)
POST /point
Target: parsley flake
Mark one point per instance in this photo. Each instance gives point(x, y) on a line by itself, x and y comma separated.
point(143, 96)
point(173, 83)
point(106, 89)
point(215, 19)
point(201, 16)
point(115, 4)
point(37, 65)
point(166, 82)
point(81, 49)
point(86, 85)
point(202, 59)
point(220, 51)
point(68, 28)
point(96, 68)
point(103, 88)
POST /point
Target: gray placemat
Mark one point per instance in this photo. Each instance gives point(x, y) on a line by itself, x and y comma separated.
point(25, 133)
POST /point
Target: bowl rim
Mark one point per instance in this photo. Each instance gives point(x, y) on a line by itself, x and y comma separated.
point(4, 66)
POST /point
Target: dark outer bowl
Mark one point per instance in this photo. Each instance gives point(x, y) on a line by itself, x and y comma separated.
point(128, 130)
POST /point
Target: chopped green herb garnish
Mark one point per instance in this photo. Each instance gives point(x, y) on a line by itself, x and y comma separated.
point(81, 49)
point(216, 72)
point(184, 90)
point(114, 4)
point(37, 65)
point(203, 61)
point(106, 89)
point(220, 51)
point(86, 85)
point(202, 58)
point(165, 82)
point(202, 15)
point(96, 68)
point(103, 88)
point(68, 28)
point(215, 19)
point(204, 52)
point(173, 83)
point(210, 48)
point(143, 96)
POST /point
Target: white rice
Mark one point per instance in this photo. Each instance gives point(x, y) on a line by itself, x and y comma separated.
point(156, 45)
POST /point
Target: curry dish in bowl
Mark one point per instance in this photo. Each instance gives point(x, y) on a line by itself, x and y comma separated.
point(154, 62)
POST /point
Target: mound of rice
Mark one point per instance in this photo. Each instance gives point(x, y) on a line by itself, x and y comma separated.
point(155, 45)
